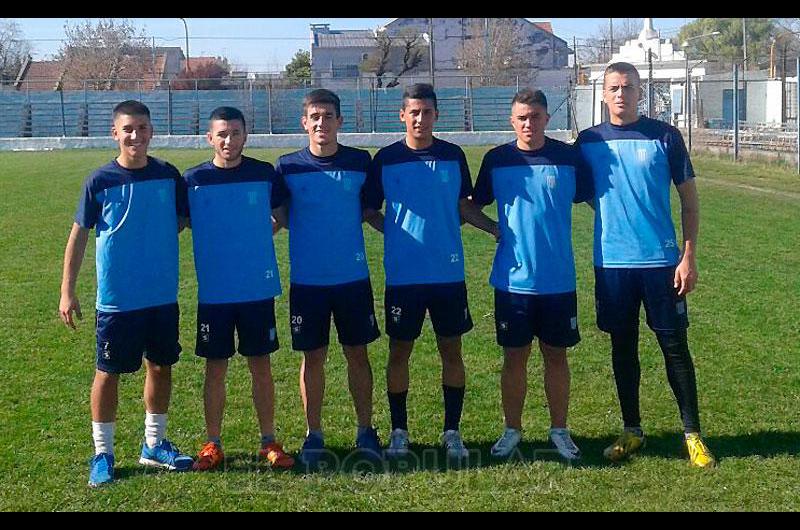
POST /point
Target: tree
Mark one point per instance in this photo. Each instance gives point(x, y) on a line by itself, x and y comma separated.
point(104, 52)
point(206, 75)
point(379, 61)
point(14, 50)
point(727, 46)
point(298, 71)
point(495, 51)
point(597, 48)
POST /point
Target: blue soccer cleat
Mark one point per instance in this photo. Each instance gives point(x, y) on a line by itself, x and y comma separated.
point(101, 470)
point(367, 444)
point(166, 456)
point(311, 451)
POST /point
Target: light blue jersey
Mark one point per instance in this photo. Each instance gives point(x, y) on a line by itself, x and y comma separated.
point(422, 229)
point(134, 214)
point(534, 191)
point(632, 167)
point(326, 239)
point(231, 213)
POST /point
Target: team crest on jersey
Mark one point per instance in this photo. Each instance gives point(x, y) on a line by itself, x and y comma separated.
point(551, 181)
point(444, 174)
point(503, 326)
point(162, 195)
point(642, 155)
point(252, 198)
point(347, 184)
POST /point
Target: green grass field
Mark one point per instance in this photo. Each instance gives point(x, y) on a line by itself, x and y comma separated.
point(744, 336)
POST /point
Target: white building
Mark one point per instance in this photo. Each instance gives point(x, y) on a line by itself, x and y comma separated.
point(762, 99)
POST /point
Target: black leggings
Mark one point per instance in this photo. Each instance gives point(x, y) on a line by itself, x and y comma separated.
point(680, 373)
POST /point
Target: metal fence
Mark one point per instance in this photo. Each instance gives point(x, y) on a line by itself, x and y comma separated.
point(465, 104)
point(745, 111)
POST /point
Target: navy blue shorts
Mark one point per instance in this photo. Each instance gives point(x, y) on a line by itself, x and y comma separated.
point(518, 318)
point(446, 302)
point(123, 337)
point(620, 292)
point(351, 304)
point(254, 323)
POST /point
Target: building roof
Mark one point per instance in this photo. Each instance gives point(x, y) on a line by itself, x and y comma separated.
point(545, 26)
point(197, 62)
point(345, 38)
point(41, 75)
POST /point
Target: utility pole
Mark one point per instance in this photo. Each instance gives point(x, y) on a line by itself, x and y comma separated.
point(155, 76)
point(744, 45)
point(611, 38)
point(431, 50)
point(186, 29)
point(487, 51)
point(650, 87)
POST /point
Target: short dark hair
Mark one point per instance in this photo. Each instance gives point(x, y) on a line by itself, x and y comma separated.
point(622, 68)
point(130, 107)
point(324, 96)
point(420, 91)
point(227, 114)
point(528, 96)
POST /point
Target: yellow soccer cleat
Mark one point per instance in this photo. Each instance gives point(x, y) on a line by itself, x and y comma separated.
point(624, 446)
point(699, 453)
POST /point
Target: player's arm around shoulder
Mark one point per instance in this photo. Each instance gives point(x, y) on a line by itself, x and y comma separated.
point(372, 194)
point(472, 213)
point(73, 258)
point(481, 195)
point(686, 273)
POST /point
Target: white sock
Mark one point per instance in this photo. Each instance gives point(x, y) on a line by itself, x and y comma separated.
point(103, 435)
point(155, 425)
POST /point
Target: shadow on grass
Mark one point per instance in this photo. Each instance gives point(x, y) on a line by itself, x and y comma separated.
point(431, 458)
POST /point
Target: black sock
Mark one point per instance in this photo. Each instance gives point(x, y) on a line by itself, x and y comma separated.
point(627, 374)
point(453, 404)
point(681, 376)
point(398, 409)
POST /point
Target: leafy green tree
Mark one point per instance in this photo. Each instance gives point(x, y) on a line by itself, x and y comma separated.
point(298, 71)
point(727, 46)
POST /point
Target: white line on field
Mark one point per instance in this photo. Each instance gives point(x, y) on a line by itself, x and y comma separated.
point(780, 193)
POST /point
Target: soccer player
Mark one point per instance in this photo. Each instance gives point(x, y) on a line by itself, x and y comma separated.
point(230, 200)
point(535, 181)
point(424, 181)
point(637, 259)
point(328, 268)
point(133, 204)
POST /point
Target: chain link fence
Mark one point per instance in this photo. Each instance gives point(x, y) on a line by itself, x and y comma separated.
point(465, 104)
point(766, 108)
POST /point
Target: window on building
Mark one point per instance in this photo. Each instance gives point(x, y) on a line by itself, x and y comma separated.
point(345, 70)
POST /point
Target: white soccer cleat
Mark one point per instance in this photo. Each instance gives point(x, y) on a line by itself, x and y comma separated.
point(398, 444)
point(507, 443)
point(452, 442)
point(563, 443)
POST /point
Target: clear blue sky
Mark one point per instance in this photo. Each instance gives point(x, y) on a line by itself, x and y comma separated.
point(267, 44)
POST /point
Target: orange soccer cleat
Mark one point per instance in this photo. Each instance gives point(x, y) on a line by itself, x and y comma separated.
point(210, 457)
point(276, 456)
